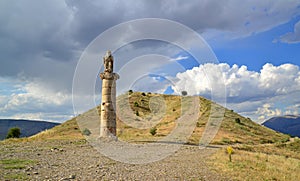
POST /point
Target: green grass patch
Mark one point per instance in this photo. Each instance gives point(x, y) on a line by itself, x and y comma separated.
point(16, 176)
point(15, 163)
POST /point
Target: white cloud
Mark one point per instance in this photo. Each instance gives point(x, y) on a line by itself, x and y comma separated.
point(292, 110)
point(292, 37)
point(34, 93)
point(34, 100)
point(180, 57)
point(246, 90)
point(267, 111)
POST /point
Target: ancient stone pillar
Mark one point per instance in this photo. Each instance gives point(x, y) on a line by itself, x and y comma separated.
point(108, 105)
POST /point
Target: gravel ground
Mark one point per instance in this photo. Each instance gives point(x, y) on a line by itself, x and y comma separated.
point(78, 160)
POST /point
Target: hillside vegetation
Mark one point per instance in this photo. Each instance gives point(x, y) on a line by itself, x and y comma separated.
point(259, 153)
point(234, 128)
point(142, 111)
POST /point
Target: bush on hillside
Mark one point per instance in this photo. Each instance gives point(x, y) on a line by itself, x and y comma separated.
point(153, 131)
point(238, 121)
point(86, 132)
point(13, 133)
point(184, 93)
point(136, 104)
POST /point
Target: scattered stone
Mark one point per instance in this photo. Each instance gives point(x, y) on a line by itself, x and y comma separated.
point(28, 169)
point(72, 176)
point(56, 150)
point(56, 166)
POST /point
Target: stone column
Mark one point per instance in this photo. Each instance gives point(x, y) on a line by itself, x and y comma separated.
point(108, 105)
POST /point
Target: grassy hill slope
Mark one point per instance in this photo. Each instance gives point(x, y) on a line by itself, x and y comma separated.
point(234, 128)
point(259, 153)
point(67, 130)
point(145, 110)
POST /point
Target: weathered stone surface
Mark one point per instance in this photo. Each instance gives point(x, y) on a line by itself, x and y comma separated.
point(109, 76)
point(108, 105)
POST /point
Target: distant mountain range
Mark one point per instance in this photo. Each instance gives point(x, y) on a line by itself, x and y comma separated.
point(27, 127)
point(289, 124)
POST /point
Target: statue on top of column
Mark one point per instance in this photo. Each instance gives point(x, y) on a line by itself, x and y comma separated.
point(108, 62)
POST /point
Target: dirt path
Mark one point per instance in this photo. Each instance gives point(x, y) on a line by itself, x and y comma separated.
point(77, 160)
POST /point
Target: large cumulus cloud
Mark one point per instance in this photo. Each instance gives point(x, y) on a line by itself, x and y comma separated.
point(247, 91)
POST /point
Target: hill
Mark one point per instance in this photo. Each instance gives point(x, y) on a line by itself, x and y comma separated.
point(148, 110)
point(289, 124)
point(27, 127)
point(259, 153)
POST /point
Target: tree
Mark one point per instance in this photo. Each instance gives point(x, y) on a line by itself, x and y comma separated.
point(184, 93)
point(13, 133)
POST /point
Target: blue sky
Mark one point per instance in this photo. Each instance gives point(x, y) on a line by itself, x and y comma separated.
point(256, 43)
point(258, 49)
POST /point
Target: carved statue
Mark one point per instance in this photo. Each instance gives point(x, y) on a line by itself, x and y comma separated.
point(108, 62)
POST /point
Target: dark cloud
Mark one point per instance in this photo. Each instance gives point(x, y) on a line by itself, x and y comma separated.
point(42, 41)
point(59, 30)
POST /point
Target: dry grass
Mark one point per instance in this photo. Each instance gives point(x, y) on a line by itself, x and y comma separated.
point(259, 153)
point(289, 149)
point(161, 111)
point(67, 130)
point(156, 110)
point(248, 165)
point(246, 131)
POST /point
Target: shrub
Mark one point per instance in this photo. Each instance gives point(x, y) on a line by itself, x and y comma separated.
point(266, 141)
point(86, 132)
point(136, 104)
point(130, 92)
point(226, 141)
point(199, 124)
point(153, 131)
point(184, 93)
point(137, 113)
point(143, 94)
point(14, 133)
point(238, 121)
